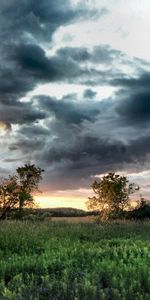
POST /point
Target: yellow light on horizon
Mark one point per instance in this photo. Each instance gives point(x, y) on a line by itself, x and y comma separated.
point(2, 126)
point(60, 201)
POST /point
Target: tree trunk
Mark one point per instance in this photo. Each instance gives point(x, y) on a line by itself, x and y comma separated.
point(4, 213)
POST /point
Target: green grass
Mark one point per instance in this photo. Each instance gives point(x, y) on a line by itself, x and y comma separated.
point(53, 260)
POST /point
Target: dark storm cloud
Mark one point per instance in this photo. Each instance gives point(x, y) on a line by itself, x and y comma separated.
point(19, 113)
point(72, 137)
point(23, 63)
point(74, 165)
point(102, 54)
point(90, 149)
point(141, 82)
point(14, 84)
point(134, 100)
point(63, 66)
point(69, 110)
point(34, 131)
point(136, 108)
point(26, 145)
point(28, 65)
point(97, 148)
point(38, 20)
point(33, 61)
point(88, 93)
point(84, 137)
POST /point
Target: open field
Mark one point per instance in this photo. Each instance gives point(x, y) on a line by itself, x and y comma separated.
point(86, 219)
point(53, 260)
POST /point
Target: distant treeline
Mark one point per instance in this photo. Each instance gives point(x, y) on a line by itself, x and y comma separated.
point(65, 212)
point(140, 213)
point(48, 213)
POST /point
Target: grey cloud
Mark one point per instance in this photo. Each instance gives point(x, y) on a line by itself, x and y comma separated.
point(102, 54)
point(88, 93)
point(26, 145)
point(89, 156)
point(40, 19)
point(24, 64)
point(141, 81)
point(32, 59)
point(34, 130)
point(19, 113)
point(77, 138)
point(136, 108)
point(32, 66)
point(68, 109)
point(133, 100)
point(88, 150)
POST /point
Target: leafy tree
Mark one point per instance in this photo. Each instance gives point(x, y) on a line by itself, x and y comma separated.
point(112, 195)
point(141, 211)
point(16, 191)
point(28, 178)
point(9, 191)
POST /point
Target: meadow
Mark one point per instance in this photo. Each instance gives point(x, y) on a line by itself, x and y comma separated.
point(74, 261)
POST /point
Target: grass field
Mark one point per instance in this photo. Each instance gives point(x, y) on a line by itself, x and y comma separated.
point(77, 220)
point(53, 260)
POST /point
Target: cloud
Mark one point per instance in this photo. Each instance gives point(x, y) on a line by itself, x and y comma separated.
point(68, 110)
point(133, 100)
point(136, 108)
point(66, 64)
point(25, 28)
point(78, 135)
point(32, 59)
point(19, 113)
point(38, 20)
point(81, 136)
point(88, 93)
point(141, 81)
point(102, 54)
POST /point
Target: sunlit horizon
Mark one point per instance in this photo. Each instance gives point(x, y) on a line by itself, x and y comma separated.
point(59, 201)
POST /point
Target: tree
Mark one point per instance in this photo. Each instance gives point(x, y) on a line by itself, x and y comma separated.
point(141, 211)
point(8, 195)
point(112, 195)
point(28, 178)
point(16, 191)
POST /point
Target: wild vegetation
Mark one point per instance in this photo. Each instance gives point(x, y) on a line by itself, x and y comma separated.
point(16, 190)
point(111, 199)
point(43, 260)
point(82, 261)
point(111, 195)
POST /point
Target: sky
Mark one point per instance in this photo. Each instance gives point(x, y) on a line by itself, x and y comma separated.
point(75, 93)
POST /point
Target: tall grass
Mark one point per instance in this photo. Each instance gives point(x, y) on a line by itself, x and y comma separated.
point(50, 260)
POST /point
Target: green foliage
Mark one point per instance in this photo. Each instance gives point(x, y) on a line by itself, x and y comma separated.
point(28, 180)
point(74, 261)
point(63, 212)
point(8, 195)
point(141, 212)
point(16, 191)
point(112, 195)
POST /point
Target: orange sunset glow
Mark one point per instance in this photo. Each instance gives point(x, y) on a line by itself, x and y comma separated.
point(59, 201)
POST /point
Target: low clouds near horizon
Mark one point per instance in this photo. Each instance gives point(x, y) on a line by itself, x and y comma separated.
point(77, 109)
